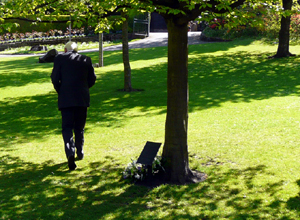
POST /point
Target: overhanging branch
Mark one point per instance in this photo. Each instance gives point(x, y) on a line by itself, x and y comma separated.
point(31, 20)
point(193, 14)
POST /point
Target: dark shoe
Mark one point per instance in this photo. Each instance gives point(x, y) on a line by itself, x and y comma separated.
point(71, 163)
point(80, 156)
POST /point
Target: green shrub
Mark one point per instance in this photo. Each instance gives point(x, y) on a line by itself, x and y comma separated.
point(214, 32)
point(233, 33)
point(25, 26)
point(295, 27)
point(269, 30)
point(272, 26)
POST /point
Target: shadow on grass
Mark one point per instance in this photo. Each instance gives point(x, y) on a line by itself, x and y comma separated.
point(294, 202)
point(29, 191)
point(228, 194)
point(23, 71)
point(240, 77)
point(212, 47)
point(50, 191)
point(28, 118)
point(213, 80)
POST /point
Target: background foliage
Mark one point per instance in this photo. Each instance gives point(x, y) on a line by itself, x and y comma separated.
point(264, 23)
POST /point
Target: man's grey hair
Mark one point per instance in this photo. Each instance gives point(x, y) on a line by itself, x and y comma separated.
point(71, 46)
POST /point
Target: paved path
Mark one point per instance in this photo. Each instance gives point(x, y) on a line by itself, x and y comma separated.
point(154, 40)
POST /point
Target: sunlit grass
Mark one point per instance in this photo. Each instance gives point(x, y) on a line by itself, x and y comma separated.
point(244, 129)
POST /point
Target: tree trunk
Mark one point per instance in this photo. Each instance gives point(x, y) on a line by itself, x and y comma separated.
point(284, 33)
point(127, 69)
point(175, 151)
point(101, 49)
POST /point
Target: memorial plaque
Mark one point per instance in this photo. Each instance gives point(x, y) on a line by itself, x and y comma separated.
point(148, 154)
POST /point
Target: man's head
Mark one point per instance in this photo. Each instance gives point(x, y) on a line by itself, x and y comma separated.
point(71, 46)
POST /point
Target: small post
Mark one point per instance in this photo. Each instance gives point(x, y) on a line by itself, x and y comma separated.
point(149, 22)
point(101, 49)
point(70, 27)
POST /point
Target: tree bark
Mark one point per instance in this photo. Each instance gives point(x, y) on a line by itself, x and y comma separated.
point(284, 33)
point(127, 68)
point(175, 151)
point(101, 64)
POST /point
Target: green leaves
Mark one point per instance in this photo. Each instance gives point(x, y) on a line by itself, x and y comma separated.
point(95, 12)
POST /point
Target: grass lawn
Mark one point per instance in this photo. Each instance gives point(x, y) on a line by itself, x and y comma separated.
point(244, 127)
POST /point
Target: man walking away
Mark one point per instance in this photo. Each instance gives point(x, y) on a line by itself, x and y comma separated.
point(72, 76)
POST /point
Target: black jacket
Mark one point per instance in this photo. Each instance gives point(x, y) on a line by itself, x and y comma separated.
point(72, 76)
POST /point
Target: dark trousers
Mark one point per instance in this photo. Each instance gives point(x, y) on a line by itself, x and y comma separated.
point(73, 119)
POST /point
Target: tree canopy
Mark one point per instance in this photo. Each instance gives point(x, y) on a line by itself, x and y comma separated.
point(95, 12)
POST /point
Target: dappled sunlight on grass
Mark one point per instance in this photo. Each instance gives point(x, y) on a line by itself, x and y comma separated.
point(49, 190)
point(28, 118)
point(58, 193)
point(241, 77)
point(243, 133)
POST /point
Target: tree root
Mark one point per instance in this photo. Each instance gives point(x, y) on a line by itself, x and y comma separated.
point(282, 55)
point(196, 177)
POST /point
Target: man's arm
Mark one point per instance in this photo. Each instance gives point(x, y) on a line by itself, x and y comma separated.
point(55, 76)
point(91, 75)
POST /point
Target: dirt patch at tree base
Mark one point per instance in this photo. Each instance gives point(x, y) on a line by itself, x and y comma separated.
point(160, 179)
